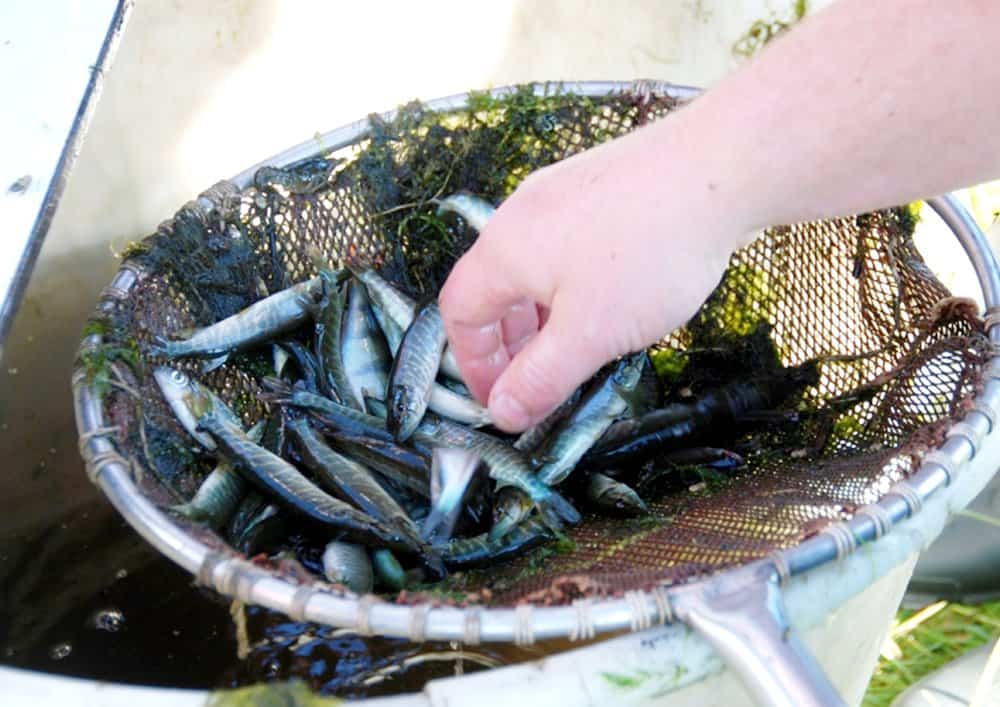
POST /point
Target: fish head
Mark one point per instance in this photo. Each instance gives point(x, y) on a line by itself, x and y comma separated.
point(187, 398)
point(402, 405)
point(178, 387)
point(627, 373)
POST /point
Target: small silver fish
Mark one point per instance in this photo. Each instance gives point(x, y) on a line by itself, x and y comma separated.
point(405, 467)
point(611, 495)
point(573, 436)
point(329, 330)
point(512, 506)
point(219, 494)
point(534, 437)
point(347, 564)
point(447, 403)
point(454, 475)
point(363, 347)
point(475, 210)
point(188, 398)
point(481, 551)
point(257, 323)
point(395, 311)
point(394, 305)
point(292, 489)
point(604, 403)
point(414, 371)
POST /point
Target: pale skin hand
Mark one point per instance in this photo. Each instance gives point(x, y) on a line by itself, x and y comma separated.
point(865, 105)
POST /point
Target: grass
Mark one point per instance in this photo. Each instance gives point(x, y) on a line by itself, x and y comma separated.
point(922, 641)
point(921, 647)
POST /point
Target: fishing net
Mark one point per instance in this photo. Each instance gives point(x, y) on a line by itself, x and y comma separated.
point(898, 358)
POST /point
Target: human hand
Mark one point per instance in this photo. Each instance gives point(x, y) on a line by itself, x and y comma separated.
point(590, 258)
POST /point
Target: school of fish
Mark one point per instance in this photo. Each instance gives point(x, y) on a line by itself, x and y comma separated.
point(375, 450)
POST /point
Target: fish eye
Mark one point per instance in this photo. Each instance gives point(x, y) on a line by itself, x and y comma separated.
point(400, 400)
point(178, 377)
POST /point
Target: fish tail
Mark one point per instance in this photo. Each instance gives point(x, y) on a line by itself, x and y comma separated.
point(276, 391)
point(556, 506)
point(164, 347)
point(189, 511)
point(433, 562)
point(501, 527)
point(215, 362)
point(358, 263)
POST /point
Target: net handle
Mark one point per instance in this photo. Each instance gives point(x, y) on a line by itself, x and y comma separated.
point(742, 615)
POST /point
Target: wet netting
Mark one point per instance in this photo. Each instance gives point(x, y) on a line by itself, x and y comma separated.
point(892, 358)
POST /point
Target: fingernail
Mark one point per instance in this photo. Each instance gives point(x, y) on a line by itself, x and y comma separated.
point(509, 413)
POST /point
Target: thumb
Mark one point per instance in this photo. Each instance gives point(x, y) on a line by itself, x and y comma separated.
point(544, 373)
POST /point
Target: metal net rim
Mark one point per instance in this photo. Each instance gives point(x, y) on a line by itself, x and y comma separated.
point(525, 623)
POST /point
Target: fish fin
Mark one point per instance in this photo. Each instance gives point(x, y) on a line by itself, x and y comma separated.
point(317, 259)
point(161, 346)
point(434, 564)
point(256, 433)
point(481, 423)
point(550, 519)
point(558, 506)
point(358, 263)
point(537, 461)
point(189, 512)
point(211, 364)
point(501, 527)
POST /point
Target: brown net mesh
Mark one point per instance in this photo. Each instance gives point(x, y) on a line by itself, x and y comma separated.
point(897, 356)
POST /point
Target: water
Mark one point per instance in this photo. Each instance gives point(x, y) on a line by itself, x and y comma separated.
point(85, 596)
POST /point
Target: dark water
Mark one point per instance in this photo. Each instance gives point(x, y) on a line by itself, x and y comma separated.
point(87, 597)
point(82, 594)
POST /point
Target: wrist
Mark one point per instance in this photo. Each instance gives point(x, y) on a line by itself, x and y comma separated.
point(691, 170)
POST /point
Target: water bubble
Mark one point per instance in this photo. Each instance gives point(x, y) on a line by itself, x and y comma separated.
point(110, 620)
point(60, 651)
point(121, 574)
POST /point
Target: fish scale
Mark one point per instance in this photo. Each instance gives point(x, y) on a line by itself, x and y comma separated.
point(479, 551)
point(329, 345)
point(349, 479)
point(507, 465)
point(414, 371)
point(573, 435)
point(576, 434)
point(395, 312)
point(296, 491)
point(363, 348)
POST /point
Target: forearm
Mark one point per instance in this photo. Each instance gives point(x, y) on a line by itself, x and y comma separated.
point(863, 106)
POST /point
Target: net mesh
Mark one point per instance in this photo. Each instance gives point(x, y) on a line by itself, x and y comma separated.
point(898, 357)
